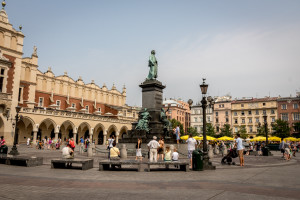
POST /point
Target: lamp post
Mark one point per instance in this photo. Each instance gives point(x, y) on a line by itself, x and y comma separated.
point(14, 150)
point(206, 163)
point(267, 152)
point(190, 102)
point(266, 128)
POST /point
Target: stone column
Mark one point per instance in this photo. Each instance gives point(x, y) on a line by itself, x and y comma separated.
point(56, 131)
point(117, 137)
point(75, 135)
point(56, 136)
point(91, 134)
point(104, 136)
point(34, 137)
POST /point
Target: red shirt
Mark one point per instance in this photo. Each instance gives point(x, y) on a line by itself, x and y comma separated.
point(71, 143)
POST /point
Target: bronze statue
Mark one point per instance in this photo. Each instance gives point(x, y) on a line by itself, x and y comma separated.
point(143, 123)
point(153, 66)
point(164, 119)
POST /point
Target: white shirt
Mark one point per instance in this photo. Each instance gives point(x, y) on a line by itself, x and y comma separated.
point(177, 130)
point(110, 143)
point(239, 144)
point(175, 156)
point(153, 144)
point(191, 144)
point(66, 152)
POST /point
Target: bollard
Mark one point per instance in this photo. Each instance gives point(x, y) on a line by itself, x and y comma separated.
point(90, 150)
point(123, 151)
point(224, 150)
point(216, 150)
point(93, 149)
point(210, 152)
point(172, 148)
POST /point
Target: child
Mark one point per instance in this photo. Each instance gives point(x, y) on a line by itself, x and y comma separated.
point(175, 155)
point(167, 154)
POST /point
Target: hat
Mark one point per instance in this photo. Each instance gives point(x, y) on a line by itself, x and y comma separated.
point(154, 137)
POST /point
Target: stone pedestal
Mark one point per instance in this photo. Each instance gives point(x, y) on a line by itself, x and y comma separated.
point(210, 152)
point(224, 150)
point(216, 150)
point(123, 151)
point(90, 151)
point(152, 99)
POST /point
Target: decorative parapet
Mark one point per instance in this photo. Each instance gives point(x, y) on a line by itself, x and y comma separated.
point(75, 115)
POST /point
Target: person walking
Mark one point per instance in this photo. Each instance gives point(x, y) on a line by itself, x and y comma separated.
point(152, 146)
point(240, 148)
point(281, 147)
point(28, 142)
point(177, 133)
point(192, 144)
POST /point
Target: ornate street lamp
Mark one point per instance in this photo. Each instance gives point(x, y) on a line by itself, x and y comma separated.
point(206, 163)
point(267, 152)
point(14, 150)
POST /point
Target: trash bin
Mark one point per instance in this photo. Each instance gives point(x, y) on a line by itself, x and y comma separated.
point(197, 159)
point(265, 151)
point(3, 149)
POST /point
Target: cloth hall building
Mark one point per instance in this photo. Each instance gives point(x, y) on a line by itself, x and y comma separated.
point(54, 106)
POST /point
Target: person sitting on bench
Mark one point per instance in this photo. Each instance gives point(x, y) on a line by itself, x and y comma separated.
point(175, 155)
point(167, 154)
point(114, 152)
point(67, 152)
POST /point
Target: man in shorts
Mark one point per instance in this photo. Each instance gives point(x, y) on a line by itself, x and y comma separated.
point(240, 148)
point(192, 143)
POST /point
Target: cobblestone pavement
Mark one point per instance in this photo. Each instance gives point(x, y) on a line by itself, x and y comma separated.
point(263, 178)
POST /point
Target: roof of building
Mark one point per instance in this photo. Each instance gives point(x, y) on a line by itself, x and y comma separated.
point(252, 100)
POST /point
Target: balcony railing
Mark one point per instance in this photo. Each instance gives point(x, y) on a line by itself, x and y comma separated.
point(76, 115)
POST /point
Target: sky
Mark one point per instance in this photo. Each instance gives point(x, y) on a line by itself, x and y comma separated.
point(248, 48)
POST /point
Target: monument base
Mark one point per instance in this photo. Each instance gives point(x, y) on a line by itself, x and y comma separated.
point(152, 97)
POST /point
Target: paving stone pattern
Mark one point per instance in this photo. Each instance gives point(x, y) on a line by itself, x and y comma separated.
point(263, 178)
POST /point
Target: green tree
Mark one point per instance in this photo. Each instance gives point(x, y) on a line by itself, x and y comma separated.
point(193, 131)
point(261, 131)
point(226, 130)
point(243, 132)
point(296, 129)
point(210, 130)
point(281, 128)
point(176, 123)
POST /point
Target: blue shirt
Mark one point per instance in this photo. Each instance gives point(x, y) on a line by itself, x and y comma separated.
point(81, 140)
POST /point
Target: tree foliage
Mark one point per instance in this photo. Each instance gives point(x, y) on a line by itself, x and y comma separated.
point(243, 132)
point(281, 128)
point(226, 130)
point(193, 131)
point(210, 130)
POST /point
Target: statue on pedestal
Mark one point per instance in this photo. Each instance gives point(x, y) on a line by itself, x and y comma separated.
point(143, 123)
point(153, 66)
point(164, 119)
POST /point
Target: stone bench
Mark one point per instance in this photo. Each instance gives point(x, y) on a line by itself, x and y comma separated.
point(64, 163)
point(253, 153)
point(111, 164)
point(27, 161)
point(183, 165)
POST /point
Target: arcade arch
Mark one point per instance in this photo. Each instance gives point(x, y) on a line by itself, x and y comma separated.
point(98, 134)
point(67, 130)
point(46, 129)
point(84, 130)
point(123, 131)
